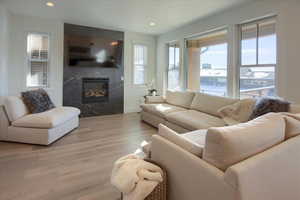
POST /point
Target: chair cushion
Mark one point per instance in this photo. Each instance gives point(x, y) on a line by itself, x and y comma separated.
point(161, 110)
point(194, 120)
point(187, 144)
point(15, 108)
point(48, 119)
point(226, 146)
point(210, 104)
point(179, 98)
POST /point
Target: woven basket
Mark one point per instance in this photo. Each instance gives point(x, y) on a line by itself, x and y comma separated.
point(160, 192)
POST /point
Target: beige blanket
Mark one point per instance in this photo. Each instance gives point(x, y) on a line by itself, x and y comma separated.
point(135, 178)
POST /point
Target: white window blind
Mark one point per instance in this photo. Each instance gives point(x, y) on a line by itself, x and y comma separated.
point(38, 60)
point(173, 73)
point(258, 58)
point(140, 64)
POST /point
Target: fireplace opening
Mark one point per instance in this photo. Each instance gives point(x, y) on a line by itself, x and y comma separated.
point(95, 90)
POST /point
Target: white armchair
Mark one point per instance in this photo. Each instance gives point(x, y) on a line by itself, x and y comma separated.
point(17, 125)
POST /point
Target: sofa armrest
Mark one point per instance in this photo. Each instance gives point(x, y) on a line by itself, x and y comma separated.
point(154, 99)
point(189, 177)
point(273, 174)
point(4, 123)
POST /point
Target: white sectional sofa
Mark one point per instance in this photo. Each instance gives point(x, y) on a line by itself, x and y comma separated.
point(17, 125)
point(188, 111)
point(206, 159)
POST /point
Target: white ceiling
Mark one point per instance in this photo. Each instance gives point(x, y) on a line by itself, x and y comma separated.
point(131, 15)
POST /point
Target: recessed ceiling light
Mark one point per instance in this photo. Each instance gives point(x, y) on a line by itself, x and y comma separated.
point(50, 4)
point(152, 24)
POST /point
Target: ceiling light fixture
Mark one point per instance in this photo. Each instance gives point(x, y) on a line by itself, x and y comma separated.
point(50, 4)
point(152, 24)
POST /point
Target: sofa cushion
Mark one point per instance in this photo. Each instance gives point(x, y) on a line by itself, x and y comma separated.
point(226, 146)
point(15, 108)
point(48, 119)
point(210, 104)
point(198, 137)
point(179, 98)
point(154, 99)
point(194, 120)
point(187, 144)
point(161, 110)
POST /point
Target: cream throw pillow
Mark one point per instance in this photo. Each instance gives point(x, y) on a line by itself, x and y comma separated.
point(226, 146)
point(238, 112)
point(179, 140)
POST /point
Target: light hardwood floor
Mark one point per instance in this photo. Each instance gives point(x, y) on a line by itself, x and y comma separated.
point(77, 167)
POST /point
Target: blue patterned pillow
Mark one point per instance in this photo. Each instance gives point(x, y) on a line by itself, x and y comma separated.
point(37, 101)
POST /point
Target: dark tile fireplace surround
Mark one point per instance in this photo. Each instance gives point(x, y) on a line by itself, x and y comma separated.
point(94, 90)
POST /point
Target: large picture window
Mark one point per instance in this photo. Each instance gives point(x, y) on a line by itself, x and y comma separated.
point(38, 60)
point(208, 62)
point(258, 58)
point(173, 72)
point(140, 64)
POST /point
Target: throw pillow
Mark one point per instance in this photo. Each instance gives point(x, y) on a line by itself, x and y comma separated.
point(267, 104)
point(37, 101)
point(238, 112)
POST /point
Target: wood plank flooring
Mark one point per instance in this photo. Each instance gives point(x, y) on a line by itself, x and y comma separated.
point(77, 167)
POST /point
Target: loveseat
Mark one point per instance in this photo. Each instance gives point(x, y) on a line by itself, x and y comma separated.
point(17, 125)
point(185, 111)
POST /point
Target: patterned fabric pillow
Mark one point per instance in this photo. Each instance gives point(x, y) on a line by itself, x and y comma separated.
point(267, 104)
point(37, 101)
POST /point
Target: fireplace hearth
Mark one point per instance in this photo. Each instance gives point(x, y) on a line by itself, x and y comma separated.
point(95, 90)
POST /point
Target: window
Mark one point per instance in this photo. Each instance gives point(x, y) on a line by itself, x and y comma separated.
point(173, 72)
point(140, 64)
point(258, 58)
point(38, 60)
point(208, 62)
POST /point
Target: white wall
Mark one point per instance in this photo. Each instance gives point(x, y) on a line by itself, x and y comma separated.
point(4, 37)
point(18, 68)
point(133, 94)
point(288, 31)
point(21, 25)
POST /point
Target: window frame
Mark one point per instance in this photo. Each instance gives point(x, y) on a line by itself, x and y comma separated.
point(29, 60)
point(240, 38)
point(227, 41)
point(175, 43)
point(145, 65)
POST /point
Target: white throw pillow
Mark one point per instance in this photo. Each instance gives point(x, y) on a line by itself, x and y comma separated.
point(179, 140)
point(226, 146)
point(238, 112)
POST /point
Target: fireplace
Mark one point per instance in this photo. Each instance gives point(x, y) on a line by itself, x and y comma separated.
point(95, 90)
